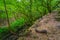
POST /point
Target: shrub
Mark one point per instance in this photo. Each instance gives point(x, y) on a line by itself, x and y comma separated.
point(3, 32)
point(17, 24)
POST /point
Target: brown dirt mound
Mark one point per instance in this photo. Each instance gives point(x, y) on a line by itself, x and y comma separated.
point(46, 28)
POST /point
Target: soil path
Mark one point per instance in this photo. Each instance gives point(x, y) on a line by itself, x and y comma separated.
point(46, 28)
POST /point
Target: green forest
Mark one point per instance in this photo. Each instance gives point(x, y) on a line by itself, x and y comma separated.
point(19, 15)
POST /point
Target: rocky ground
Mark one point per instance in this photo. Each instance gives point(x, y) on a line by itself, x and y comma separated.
point(45, 28)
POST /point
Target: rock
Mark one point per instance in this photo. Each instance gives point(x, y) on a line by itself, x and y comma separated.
point(58, 26)
point(42, 31)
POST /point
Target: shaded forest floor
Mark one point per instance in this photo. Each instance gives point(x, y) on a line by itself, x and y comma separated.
point(45, 28)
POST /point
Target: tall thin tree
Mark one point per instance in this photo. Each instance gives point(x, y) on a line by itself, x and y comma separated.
point(4, 1)
point(31, 17)
point(6, 12)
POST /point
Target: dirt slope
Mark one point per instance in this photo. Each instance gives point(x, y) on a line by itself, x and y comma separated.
point(46, 28)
